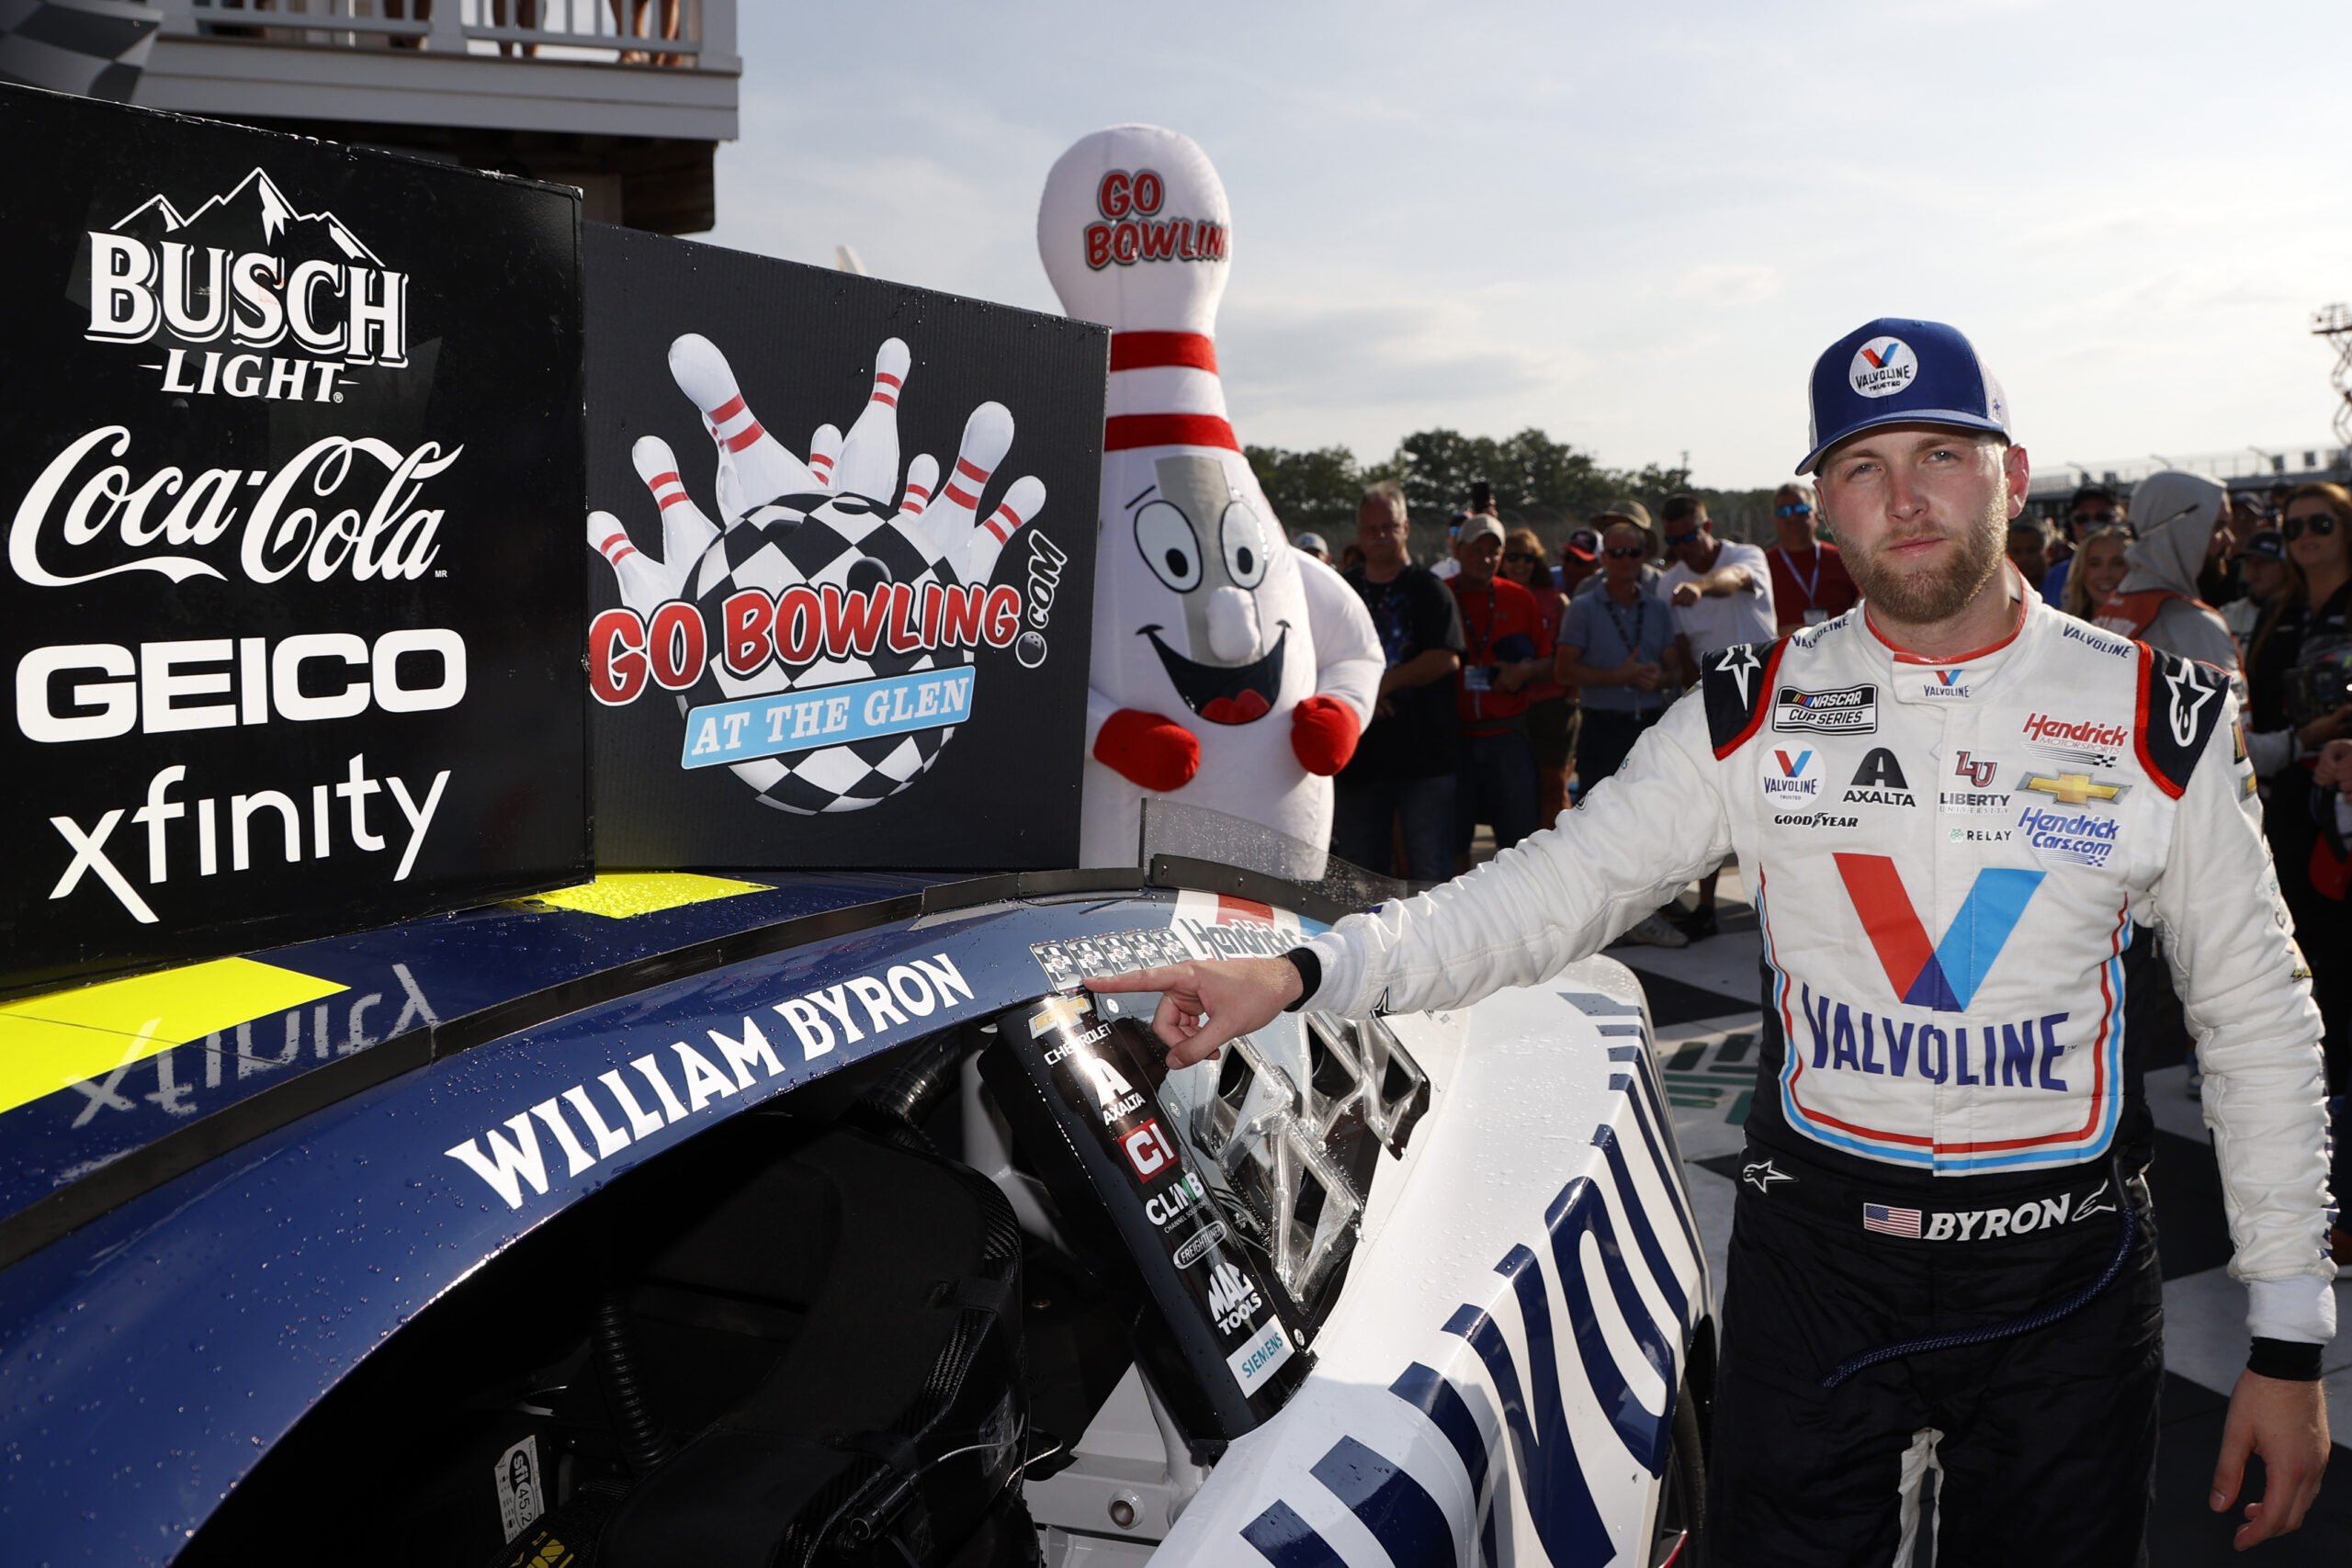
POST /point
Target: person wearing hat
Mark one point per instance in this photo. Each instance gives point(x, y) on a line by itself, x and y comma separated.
point(1635, 512)
point(1313, 545)
point(2262, 567)
point(1507, 650)
point(1955, 805)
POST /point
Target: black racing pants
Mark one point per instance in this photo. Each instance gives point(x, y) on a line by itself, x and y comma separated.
point(2043, 1444)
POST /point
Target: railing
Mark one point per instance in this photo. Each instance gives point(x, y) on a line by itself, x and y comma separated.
point(623, 32)
point(2270, 465)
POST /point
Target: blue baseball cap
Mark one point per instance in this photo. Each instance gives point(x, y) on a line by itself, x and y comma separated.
point(1893, 371)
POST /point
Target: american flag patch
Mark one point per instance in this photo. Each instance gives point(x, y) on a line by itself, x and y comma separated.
point(1891, 1222)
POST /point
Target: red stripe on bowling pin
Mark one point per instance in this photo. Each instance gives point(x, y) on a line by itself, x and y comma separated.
point(668, 490)
point(618, 548)
point(968, 500)
point(821, 465)
point(1004, 522)
point(745, 436)
point(886, 389)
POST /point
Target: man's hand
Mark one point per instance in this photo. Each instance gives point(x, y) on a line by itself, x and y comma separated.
point(2284, 1422)
point(2335, 769)
point(1686, 594)
point(1202, 1006)
point(2326, 728)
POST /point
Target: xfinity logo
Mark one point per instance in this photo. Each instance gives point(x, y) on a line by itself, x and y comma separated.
point(245, 269)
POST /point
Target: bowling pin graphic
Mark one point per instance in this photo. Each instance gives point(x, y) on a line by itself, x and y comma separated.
point(868, 464)
point(644, 584)
point(754, 467)
point(1229, 670)
point(685, 532)
point(923, 477)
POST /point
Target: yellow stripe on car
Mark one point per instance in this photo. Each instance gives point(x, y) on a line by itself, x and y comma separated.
point(49, 1042)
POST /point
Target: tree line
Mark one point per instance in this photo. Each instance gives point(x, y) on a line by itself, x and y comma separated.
point(1539, 483)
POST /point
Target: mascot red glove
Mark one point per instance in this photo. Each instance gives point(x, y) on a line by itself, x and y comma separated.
point(1323, 733)
point(1149, 751)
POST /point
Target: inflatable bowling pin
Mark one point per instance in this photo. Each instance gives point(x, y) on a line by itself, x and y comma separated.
point(1230, 671)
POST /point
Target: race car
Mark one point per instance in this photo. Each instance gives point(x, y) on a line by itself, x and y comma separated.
point(826, 1218)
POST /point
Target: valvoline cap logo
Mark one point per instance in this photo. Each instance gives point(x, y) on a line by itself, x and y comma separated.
point(1883, 367)
point(1896, 371)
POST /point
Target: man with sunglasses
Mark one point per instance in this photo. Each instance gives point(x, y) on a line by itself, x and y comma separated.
point(1809, 581)
point(1942, 1257)
point(1722, 594)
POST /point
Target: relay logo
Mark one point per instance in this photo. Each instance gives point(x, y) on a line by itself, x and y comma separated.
point(1943, 974)
point(1882, 367)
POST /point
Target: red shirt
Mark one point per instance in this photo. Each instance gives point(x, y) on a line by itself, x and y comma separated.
point(1500, 624)
point(1814, 583)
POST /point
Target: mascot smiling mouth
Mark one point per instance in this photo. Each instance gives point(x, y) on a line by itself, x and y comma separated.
point(1241, 694)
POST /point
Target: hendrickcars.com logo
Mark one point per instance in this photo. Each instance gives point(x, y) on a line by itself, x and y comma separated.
point(245, 273)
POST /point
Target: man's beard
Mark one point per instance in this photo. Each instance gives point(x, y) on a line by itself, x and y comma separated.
point(1928, 594)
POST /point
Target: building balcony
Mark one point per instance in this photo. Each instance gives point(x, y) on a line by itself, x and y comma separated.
point(624, 98)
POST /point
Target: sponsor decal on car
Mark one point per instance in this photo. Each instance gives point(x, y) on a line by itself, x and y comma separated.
point(512, 1160)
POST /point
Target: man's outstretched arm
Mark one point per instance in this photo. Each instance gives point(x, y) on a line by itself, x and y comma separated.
point(1532, 911)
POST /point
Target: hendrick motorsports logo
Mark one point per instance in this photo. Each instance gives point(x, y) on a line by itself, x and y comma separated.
point(247, 272)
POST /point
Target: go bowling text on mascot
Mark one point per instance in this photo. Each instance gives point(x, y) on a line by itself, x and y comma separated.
point(1230, 671)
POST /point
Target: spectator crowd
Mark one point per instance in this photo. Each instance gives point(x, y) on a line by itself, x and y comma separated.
point(1515, 683)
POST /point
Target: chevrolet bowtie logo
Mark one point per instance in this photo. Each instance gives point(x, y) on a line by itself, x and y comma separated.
point(1059, 1013)
point(2074, 789)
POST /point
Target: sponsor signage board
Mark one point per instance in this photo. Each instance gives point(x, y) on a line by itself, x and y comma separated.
point(295, 455)
point(842, 539)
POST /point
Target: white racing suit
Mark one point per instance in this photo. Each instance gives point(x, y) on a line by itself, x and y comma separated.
point(1948, 861)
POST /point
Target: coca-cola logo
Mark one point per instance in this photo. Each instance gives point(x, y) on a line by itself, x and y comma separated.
point(86, 518)
point(244, 273)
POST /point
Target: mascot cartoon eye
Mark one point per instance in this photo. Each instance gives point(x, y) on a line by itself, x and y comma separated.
point(1244, 544)
point(1165, 536)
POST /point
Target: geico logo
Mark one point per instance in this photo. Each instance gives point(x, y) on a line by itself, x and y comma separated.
point(385, 535)
point(251, 820)
point(357, 314)
point(215, 682)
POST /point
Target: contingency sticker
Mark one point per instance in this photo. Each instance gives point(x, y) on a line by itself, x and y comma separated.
point(521, 1497)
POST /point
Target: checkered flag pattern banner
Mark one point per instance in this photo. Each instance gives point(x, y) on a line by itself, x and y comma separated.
point(93, 48)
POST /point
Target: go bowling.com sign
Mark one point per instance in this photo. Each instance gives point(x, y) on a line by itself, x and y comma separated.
point(844, 541)
point(295, 434)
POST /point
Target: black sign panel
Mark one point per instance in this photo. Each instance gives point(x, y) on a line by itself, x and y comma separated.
point(843, 611)
point(292, 602)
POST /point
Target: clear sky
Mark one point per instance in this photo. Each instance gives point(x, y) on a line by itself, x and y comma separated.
point(1632, 226)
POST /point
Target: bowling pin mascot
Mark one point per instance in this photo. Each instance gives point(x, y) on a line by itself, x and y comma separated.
point(1230, 671)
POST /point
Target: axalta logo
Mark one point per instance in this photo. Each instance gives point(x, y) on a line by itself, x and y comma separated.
point(1943, 975)
point(1131, 230)
point(249, 270)
point(1882, 367)
point(2088, 732)
point(1880, 782)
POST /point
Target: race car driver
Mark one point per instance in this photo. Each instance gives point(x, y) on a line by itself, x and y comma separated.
point(1952, 803)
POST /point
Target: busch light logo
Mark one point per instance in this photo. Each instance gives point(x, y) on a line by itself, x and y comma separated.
point(1882, 367)
point(251, 297)
point(817, 634)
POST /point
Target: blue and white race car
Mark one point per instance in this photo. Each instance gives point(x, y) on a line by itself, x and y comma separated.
point(820, 1219)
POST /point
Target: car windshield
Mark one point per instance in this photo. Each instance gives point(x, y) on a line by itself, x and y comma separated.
point(1175, 831)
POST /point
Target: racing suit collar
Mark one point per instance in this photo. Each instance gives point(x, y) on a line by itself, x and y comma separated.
point(1963, 677)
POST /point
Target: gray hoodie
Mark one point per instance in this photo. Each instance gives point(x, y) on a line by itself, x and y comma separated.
point(2175, 514)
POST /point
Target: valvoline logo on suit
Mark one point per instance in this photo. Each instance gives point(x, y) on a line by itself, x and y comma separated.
point(1791, 773)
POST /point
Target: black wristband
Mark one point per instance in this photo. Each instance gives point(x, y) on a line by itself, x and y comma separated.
point(2288, 1360)
point(1309, 966)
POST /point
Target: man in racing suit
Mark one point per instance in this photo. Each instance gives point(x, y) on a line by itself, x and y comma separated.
point(1952, 803)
